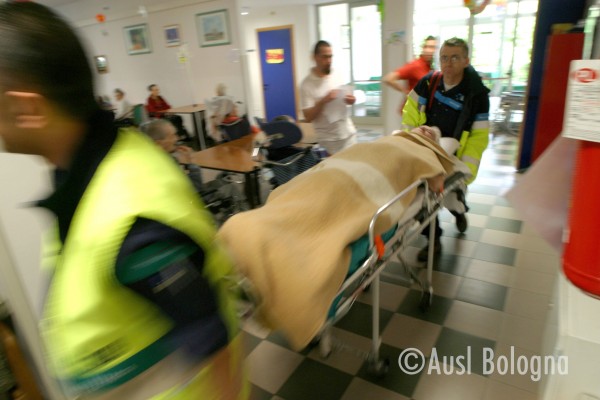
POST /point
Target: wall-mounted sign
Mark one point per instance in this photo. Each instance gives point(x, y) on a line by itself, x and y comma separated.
point(275, 56)
point(582, 110)
point(182, 54)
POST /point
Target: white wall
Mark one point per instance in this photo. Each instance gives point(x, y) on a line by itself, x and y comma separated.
point(180, 84)
point(398, 18)
point(302, 18)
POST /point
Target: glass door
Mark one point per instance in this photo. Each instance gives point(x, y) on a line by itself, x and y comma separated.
point(354, 31)
point(365, 44)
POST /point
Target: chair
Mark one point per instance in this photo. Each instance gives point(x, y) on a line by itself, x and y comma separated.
point(140, 115)
point(283, 158)
point(280, 133)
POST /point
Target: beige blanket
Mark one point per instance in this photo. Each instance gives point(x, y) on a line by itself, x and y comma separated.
point(294, 249)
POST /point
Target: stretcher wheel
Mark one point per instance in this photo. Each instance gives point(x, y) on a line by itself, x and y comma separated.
point(325, 344)
point(379, 368)
point(425, 301)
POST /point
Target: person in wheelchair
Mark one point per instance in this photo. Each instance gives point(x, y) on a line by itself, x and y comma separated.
point(227, 121)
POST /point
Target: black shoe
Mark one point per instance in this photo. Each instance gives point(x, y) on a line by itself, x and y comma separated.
point(461, 222)
point(424, 252)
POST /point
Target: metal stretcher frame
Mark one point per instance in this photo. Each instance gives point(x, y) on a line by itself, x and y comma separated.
point(379, 255)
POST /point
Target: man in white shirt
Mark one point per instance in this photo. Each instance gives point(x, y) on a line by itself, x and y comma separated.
point(324, 102)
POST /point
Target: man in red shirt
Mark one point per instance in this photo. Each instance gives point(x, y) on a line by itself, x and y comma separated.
point(412, 71)
point(156, 106)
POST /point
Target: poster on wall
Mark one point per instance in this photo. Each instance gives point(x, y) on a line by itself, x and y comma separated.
point(213, 28)
point(582, 109)
point(137, 39)
point(172, 36)
point(275, 56)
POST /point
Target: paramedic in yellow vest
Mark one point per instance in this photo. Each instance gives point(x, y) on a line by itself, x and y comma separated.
point(138, 306)
point(456, 101)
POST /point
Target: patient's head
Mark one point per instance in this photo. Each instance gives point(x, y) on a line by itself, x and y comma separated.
point(450, 145)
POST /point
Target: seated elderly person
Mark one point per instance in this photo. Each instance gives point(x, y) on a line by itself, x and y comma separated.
point(123, 109)
point(157, 107)
point(220, 195)
point(295, 249)
point(226, 123)
point(164, 134)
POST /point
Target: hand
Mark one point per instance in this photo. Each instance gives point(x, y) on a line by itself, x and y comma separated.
point(183, 154)
point(436, 183)
point(430, 132)
point(349, 99)
point(330, 96)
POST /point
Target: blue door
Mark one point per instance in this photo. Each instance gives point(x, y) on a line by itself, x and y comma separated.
point(277, 68)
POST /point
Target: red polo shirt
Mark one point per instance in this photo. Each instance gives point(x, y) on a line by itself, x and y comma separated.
point(413, 71)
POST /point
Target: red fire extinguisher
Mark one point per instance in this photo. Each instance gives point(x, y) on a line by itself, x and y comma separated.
point(581, 258)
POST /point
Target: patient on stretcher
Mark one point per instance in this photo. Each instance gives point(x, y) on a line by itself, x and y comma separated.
point(295, 249)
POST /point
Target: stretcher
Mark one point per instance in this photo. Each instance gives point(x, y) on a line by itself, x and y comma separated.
point(260, 247)
point(372, 253)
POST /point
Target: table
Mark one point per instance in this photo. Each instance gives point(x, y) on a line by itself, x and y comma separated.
point(197, 111)
point(234, 156)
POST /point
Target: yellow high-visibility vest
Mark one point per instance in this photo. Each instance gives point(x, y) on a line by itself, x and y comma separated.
point(99, 333)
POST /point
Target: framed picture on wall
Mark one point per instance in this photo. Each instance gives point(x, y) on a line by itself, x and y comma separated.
point(172, 36)
point(101, 63)
point(137, 39)
point(213, 28)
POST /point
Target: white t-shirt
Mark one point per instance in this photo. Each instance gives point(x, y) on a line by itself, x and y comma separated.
point(314, 88)
point(124, 109)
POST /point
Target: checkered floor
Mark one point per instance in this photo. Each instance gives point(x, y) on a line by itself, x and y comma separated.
point(492, 287)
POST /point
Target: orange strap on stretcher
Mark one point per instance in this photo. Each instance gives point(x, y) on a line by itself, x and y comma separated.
point(380, 246)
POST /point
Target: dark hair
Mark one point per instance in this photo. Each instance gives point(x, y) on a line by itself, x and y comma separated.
point(119, 91)
point(430, 37)
point(40, 52)
point(457, 42)
point(151, 86)
point(320, 43)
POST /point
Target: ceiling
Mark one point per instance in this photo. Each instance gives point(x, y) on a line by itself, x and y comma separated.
point(246, 3)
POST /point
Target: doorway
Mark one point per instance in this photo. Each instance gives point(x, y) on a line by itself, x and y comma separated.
point(354, 32)
point(277, 70)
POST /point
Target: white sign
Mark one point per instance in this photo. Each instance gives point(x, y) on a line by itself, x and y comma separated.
point(582, 110)
point(182, 54)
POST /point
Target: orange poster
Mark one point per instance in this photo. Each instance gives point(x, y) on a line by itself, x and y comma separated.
point(274, 56)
